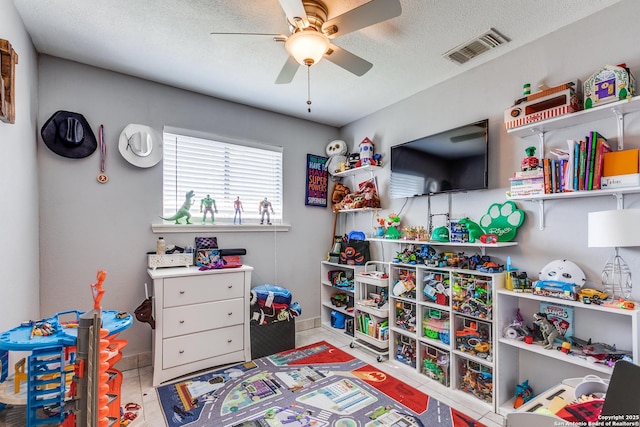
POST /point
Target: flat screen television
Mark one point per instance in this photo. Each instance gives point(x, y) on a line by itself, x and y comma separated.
point(455, 160)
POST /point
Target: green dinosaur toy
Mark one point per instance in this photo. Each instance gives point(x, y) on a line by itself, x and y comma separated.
point(183, 212)
point(475, 231)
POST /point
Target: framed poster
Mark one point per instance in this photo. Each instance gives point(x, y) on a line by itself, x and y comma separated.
point(317, 181)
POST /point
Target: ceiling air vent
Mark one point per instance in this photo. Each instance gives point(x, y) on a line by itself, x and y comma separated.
point(476, 46)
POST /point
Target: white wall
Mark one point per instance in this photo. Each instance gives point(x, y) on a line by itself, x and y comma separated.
point(19, 286)
point(86, 226)
point(485, 92)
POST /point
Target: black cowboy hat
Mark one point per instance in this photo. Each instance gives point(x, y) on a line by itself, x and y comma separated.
point(69, 135)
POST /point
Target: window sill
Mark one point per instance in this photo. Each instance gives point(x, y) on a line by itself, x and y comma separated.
point(218, 228)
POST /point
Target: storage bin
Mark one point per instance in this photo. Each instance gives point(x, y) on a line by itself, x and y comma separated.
point(272, 338)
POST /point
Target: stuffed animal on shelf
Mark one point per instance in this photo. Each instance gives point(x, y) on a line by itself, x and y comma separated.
point(338, 195)
point(337, 153)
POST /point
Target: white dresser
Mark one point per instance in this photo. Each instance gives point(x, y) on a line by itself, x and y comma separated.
point(202, 319)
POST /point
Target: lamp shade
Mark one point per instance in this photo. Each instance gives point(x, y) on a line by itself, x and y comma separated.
point(307, 47)
point(616, 228)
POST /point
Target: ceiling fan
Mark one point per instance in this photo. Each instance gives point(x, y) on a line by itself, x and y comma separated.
point(311, 33)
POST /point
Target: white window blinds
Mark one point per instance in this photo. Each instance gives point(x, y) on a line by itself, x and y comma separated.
point(223, 170)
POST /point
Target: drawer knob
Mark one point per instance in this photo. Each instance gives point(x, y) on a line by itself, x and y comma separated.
point(229, 340)
point(181, 321)
point(181, 292)
point(180, 351)
point(230, 286)
point(230, 313)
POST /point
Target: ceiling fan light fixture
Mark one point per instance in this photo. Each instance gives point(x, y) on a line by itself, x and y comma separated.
point(307, 47)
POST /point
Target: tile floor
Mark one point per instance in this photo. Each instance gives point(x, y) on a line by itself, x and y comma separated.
point(137, 387)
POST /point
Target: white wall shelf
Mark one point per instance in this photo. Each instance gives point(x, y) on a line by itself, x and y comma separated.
point(610, 325)
point(612, 110)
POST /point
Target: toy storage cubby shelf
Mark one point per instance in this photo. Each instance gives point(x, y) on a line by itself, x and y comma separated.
point(598, 323)
point(337, 279)
point(437, 330)
point(371, 309)
point(615, 110)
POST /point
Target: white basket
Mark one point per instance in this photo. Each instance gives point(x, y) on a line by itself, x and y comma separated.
point(170, 260)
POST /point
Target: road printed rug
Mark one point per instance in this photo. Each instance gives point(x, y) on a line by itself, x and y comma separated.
point(317, 385)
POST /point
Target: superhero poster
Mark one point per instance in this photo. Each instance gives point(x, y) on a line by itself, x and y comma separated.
point(317, 181)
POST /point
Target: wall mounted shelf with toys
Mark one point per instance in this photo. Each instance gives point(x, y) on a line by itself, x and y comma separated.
point(612, 331)
point(480, 245)
point(613, 110)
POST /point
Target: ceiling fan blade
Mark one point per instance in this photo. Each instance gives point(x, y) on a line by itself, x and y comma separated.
point(248, 34)
point(347, 60)
point(362, 16)
point(295, 9)
point(288, 71)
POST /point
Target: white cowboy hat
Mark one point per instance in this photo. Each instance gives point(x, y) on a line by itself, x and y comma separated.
point(140, 145)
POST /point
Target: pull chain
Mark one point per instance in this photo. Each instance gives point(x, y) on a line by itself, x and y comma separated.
point(309, 88)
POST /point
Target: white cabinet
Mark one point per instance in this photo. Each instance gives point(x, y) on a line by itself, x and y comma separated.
point(543, 368)
point(202, 319)
point(337, 296)
point(371, 309)
point(443, 327)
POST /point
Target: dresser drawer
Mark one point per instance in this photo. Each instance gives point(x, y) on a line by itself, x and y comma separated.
point(202, 317)
point(196, 289)
point(203, 345)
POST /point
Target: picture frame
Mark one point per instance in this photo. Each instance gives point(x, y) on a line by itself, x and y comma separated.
point(317, 181)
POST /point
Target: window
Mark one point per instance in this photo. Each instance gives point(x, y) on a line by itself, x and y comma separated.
point(218, 168)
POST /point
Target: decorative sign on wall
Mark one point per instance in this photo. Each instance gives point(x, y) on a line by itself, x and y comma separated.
point(317, 181)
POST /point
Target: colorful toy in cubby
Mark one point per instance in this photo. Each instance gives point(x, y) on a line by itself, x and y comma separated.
point(341, 279)
point(524, 393)
point(476, 379)
point(436, 325)
point(436, 288)
point(406, 316)
point(474, 337)
point(405, 350)
point(435, 364)
point(405, 285)
point(472, 295)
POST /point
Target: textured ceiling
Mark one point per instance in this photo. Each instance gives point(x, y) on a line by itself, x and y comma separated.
point(170, 42)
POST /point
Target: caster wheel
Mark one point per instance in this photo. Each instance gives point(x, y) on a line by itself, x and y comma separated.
point(380, 358)
point(352, 345)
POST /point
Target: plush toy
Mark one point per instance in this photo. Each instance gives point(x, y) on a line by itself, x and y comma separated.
point(393, 222)
point(337, 195)
point(337, 153)
point(370, 197)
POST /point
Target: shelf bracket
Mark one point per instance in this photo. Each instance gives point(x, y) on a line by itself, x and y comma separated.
point(620, 122)
point(619, 200)
point(541, 214)
point(540, 144)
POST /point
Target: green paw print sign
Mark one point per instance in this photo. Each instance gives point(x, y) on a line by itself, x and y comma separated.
point(502, 220)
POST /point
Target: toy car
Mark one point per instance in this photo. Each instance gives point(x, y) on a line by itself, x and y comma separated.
point(591, 294)
point(490, 267)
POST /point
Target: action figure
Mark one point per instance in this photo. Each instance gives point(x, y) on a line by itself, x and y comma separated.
point(264, 208)
point(238, 208)
point(208, 202)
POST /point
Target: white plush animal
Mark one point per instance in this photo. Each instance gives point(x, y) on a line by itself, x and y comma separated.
point(337, 152)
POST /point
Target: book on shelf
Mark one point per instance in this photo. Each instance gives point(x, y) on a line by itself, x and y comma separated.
point(561, 316)
point(617, 181)
point(601, 147)
point(623, 162)
point(587, 168)
point(582, 164)
point(546, 165)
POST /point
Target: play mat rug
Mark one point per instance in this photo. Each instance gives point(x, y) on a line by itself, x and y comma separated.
point(317, 385)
